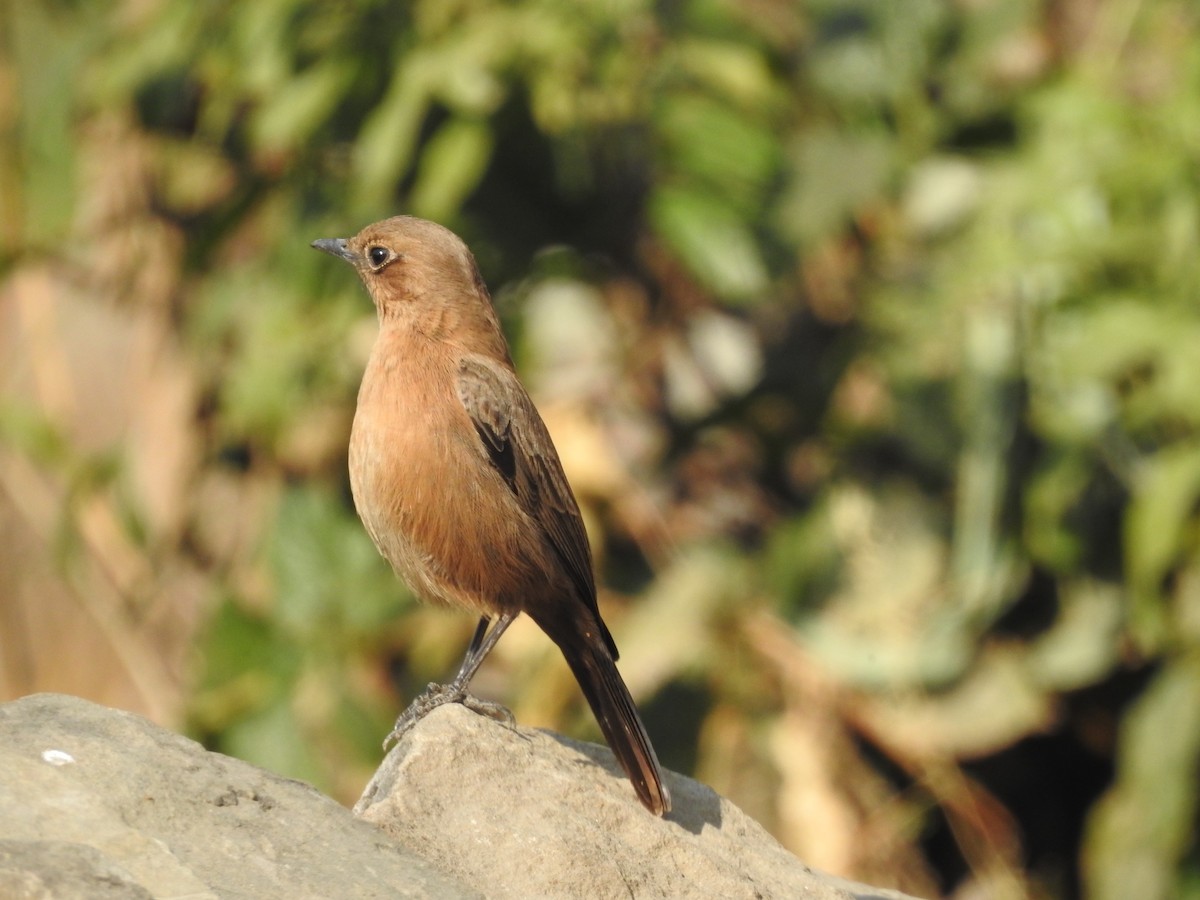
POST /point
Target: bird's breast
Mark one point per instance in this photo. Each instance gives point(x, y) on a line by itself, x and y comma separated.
point(432, 503)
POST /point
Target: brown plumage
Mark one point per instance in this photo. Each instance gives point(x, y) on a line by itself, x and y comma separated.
point(458, 483)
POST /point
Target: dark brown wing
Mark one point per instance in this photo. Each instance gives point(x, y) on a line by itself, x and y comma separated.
point(519, 446)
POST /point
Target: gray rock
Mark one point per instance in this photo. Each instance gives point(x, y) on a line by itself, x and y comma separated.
point(515, 812)
point(96, 803)
point(60, 870)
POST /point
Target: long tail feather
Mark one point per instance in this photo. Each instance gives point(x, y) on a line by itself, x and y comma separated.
point(609, 699)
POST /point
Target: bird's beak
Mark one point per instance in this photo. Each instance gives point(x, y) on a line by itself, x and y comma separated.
point(336, 247)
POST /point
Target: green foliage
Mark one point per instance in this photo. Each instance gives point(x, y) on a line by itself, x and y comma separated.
point(889, 311)
point(1145, 826)
point(330, 580)
point(276, 679)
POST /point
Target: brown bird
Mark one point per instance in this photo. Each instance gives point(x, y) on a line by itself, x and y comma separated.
point(458, 483)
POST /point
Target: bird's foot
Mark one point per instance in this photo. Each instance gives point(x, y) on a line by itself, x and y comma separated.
point(436, 695)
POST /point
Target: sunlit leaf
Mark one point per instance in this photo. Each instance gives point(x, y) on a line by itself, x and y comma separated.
point(995, 705)
point(450, 168)
point(329, 575)
point(734, 156)
point(833, 175)
point(716, 245)
point(387, 144)
point(1144, 824)
point(1083, 645)
point(290, 115)
point(738, 71)
point(47, 60)
point(1161, 518)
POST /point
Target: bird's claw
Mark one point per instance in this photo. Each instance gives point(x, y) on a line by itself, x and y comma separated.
point(436, 695)
point(497, 711)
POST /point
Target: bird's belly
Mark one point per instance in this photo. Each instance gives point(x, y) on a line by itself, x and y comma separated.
point(420, 495)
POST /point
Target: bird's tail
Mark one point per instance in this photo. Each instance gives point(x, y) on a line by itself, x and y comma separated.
point(609, 699)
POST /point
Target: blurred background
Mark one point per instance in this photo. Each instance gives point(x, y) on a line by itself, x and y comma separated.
point(869, 334)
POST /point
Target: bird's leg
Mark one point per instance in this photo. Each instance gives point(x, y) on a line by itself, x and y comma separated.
point(472, 658)
point(436, 695)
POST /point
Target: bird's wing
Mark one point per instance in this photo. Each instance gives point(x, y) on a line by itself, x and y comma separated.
point(519, 446)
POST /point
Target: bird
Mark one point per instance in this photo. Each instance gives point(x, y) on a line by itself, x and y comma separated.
point(457, 481)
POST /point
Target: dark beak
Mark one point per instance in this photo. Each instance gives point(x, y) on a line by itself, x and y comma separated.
point(336, 247)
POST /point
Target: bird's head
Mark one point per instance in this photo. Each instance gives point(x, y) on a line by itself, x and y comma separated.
point(419, 273)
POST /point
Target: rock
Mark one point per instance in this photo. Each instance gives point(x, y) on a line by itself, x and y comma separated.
point(58, 870)
point(515, 812)
point(96, 803)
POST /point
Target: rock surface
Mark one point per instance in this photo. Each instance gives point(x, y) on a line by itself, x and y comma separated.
point(100, 803)
point(518, 813)
point(96, 803)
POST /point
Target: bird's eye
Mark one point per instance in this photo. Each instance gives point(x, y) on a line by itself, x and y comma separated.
point(377, 256)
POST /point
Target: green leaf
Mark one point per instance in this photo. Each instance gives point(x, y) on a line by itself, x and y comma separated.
point(238, 642)
point(739, 71)
point(1162, 516)
point(1140, 830)
point(1082, 646)
point(834, 174)
point(388, 140)
point(714, 243)
point(37, 184)
point(288, 118)
point(452, 164)
point(330, 580)
point(733, 155)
